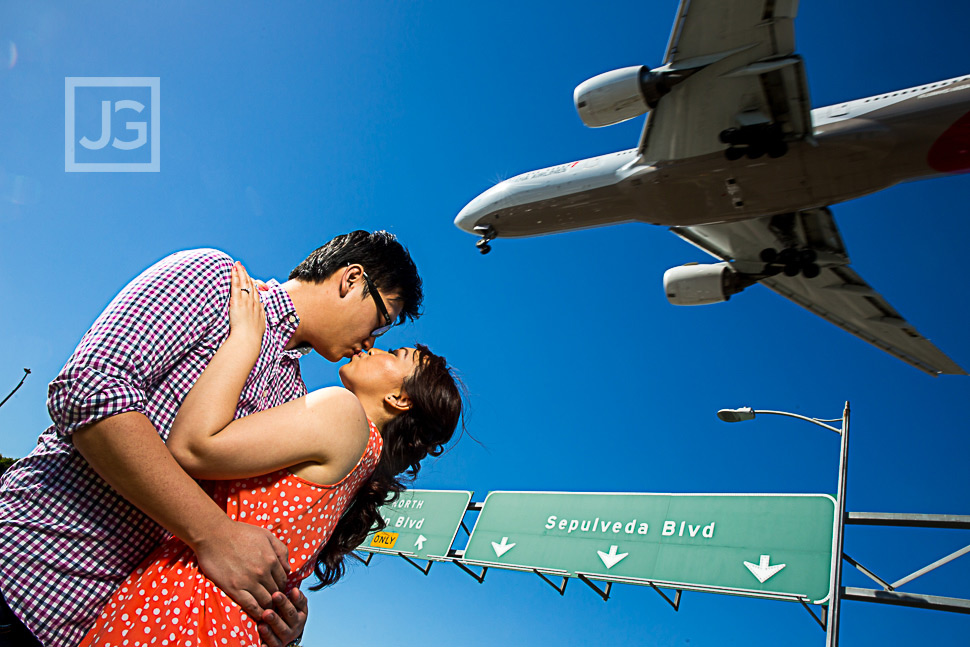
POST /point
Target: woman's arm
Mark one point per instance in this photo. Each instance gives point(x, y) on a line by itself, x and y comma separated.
point(211, 403)
point(327, 427)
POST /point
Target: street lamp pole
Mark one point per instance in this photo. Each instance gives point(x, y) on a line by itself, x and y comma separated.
point(835, 584)
point(832, 623)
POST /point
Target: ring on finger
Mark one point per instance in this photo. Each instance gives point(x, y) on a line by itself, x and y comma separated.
point(246, 290)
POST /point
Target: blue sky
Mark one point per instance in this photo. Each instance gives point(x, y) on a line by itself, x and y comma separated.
point(282, 125)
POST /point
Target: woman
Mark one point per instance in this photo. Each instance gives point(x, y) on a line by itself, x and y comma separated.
point(314, 471)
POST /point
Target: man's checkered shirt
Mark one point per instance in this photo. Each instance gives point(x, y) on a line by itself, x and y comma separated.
point(66, 538)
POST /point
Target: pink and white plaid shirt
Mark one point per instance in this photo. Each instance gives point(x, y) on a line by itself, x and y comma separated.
point(66, 538)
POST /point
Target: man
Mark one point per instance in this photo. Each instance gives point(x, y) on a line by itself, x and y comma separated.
point(100, 489)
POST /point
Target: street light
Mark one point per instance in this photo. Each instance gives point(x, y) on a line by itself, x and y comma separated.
point(747, 413)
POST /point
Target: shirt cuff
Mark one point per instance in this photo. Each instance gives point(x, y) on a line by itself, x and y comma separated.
point(81, 398)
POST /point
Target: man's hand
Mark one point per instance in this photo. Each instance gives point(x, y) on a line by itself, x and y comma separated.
point(285, 624)
point(246, 562)
point(249, 563)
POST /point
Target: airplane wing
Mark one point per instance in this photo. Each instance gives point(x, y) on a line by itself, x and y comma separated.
point(837, 294)
point(741, 70)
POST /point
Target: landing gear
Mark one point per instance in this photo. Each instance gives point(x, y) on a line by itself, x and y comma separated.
point(754, 141)
point(487, 233)
point(791, 261)
point(777, 149)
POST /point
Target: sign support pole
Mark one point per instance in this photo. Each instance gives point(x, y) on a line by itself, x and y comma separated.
point(832, 623)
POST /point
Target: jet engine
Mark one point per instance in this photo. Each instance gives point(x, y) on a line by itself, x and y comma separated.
point(616, 96)
point(694, 284)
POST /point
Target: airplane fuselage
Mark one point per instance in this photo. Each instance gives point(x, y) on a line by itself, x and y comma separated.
point(857, 148)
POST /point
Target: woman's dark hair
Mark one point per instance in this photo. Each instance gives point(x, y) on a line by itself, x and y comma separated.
point(423, 430)
point(386, 261)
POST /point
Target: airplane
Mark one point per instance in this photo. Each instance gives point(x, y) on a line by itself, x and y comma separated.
point(734, 161)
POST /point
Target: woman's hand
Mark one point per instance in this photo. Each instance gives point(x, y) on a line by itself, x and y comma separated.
point(247, 317)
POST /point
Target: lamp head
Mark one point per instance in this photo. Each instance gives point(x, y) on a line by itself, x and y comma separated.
point(736, 415)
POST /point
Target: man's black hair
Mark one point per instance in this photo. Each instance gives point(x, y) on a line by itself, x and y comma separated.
point(386, 261)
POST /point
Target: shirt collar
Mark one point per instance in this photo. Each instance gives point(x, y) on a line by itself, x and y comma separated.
point(281, 314)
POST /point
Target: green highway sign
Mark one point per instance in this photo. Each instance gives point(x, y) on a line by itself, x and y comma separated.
point(420, 523)
point(760, 545)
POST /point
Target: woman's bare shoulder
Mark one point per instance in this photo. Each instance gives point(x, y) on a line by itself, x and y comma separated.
point(337, 397)
point(344, 415)
point(342, 435)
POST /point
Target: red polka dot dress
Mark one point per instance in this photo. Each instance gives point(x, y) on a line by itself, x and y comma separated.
point(168, 602)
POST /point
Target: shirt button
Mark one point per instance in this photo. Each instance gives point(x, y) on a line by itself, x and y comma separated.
point(265, 394)
point(291, 318)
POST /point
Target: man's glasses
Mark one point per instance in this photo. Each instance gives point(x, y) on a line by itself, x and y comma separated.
point(388, 322)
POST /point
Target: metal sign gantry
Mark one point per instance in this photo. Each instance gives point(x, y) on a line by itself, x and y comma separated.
point(786, 547)
point(412, 546)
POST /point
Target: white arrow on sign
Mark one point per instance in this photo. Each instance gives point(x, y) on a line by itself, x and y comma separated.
point(420, 542)
point(504, 547)
point(763, 571)
point(611, 559)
